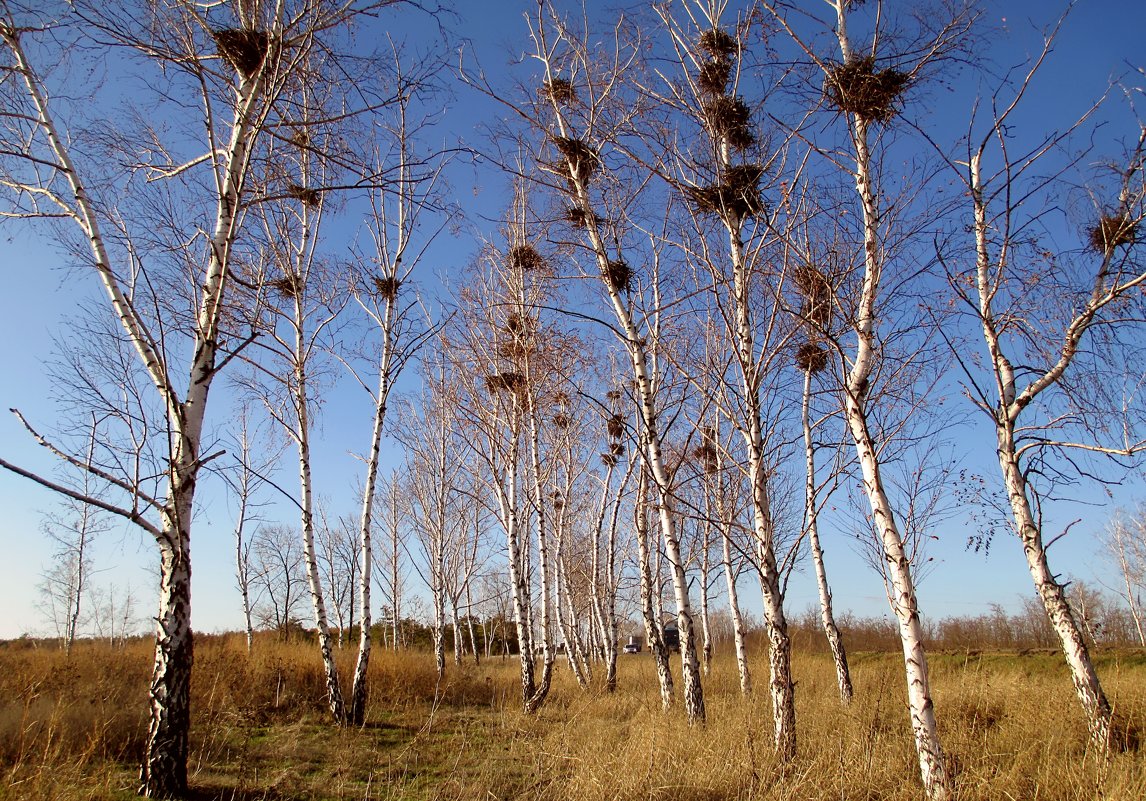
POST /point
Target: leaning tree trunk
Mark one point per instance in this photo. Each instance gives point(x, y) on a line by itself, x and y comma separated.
point(827, 617)
point(648, 613)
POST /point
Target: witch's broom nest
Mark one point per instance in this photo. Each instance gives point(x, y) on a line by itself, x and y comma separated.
point(580, 160)
point(242, 48)
point(713, 76)
point(737, 193)
point(387, 287)
point(609, 460)
point(509, 382)
point(561, 420)
point(817, 292)
point(717, 42)
point(308, 197)
point(559, 90)
point(514, 350)
point(615, 425)
point(706, 454)
point(729, 118)
point(857, 87)
point(811, 358)
point(619, 275)
point(617, 448)
point(1112, 231)
point(525, 258)
point(289, 286)
point(579, 218)
point(520, 324)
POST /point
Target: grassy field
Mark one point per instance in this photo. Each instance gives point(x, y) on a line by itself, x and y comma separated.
point(74, 728)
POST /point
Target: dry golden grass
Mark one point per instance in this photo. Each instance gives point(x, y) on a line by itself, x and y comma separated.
point(74, 729)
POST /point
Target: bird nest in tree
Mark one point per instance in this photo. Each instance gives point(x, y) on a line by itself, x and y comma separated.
point(561, 420)
point(242, 48)
point(857, 87)
point(309, 197)
point(510, 382)
point(289, 286)
point(579, 158)
point(717, 42)
point(737, 194)
point(713, 76)
point(525, 258)
point(579, 218)
point(558, 90)
point(728, 117)
point(617, 448)
point(1113, 231)
point(558, 501)
point(613, 394)
point(387, 287)
point(706, 455)
point(615, 426)
point(520, 324)
point(618, 274)
point(609, 460)
point(811, 358)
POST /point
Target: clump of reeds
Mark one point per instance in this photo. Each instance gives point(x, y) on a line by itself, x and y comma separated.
point(729, 118)
point(242, 48)
point(857, 87)
point(559, 90)
point(1113, 231)
point(580, 160)
point(736, 194)
point(525, 258)
point(811, 358)
point(309, 197)
point(619, 275)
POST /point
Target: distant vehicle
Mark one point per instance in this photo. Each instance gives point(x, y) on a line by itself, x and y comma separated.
point(632, 648)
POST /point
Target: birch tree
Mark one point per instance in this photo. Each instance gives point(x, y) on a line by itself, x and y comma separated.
point(233, 63)
point(1053, 342)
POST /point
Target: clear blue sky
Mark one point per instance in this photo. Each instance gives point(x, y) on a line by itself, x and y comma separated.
point(1102, 38)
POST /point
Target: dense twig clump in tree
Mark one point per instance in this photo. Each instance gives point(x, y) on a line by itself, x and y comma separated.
point(817, 292)
point(520, 324)
point(510, 382)
point(309, 197)
point(242, 48)
point(738, 193)
point(609, 460)
point(579, 158)
point(811, 357)
point(1113, 231)
point(857, 87)
point(619, 275)
point(706, 454)
point(289, 286)
point(514, 350)
point(717, 42)
point(729, 118)
point(561, 420)
point(579, 217)
point(559, 90)
point(615, 425)
point(525, 258)
point(387, 288)
point(713, 76)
